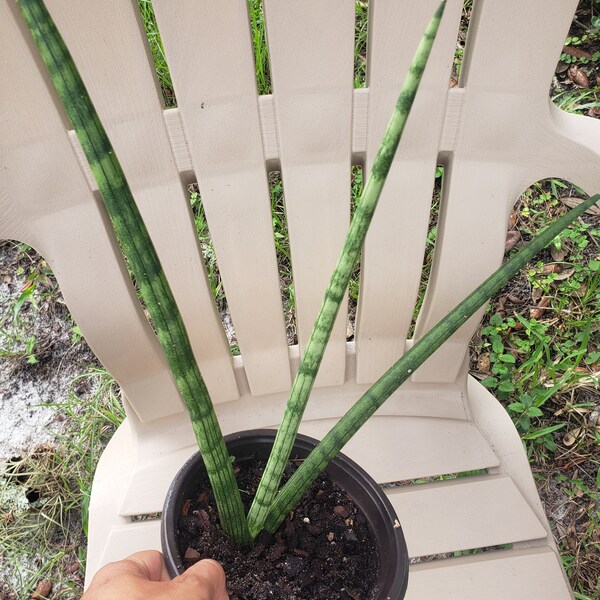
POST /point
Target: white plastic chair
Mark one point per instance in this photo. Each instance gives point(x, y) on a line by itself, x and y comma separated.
point(496, 133)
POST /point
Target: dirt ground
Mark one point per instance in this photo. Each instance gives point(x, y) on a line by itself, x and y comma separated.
point(28, 388)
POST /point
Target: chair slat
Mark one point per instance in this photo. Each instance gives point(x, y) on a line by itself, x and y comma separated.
point(209, 51)
point(125, 540)
point(501, 149)
point(310, 47)
point(393, 251)
point(532, 574)
point(45, 186)
point(444, 446)
point(179, 145)
point(108, 46)
point(464, 513)
point(529, 574)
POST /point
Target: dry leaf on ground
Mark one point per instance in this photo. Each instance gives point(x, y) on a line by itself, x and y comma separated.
point(576, 52)
point(538, 311)
point(43, 590)
point(536, 294)
point(558, 255)
point(561, 67)
point(549, 269)
point(564, 274)
point(483, 363)
point(573, 202)
point(512, 239)
point(578, 77)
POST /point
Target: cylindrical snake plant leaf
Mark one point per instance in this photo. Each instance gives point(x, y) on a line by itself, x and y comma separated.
point(391, 380)
point(143, 260)
point(307, 372)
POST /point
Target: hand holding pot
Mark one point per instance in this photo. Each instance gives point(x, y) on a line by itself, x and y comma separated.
point(142, 576)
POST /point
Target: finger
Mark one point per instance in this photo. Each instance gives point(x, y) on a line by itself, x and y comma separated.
point(138, 568)
point(206, 575)
point(147, 564)
point(164, 576)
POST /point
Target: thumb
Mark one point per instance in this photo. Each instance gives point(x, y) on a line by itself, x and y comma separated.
point(203, 581)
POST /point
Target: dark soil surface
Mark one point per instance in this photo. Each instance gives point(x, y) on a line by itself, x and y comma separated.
point(326, 549)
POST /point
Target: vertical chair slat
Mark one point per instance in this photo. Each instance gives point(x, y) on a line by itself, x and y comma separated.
point(502, 148)
point(43, 183)
point(209, 52)
point(393, 251)
point(311, 52)
point(108, 45)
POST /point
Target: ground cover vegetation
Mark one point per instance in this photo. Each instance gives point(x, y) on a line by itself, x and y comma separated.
point(537, 350)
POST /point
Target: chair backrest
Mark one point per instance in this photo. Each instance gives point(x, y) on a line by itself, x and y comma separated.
point(496, 133)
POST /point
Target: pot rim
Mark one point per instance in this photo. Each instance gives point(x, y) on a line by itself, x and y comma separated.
point(360, 486)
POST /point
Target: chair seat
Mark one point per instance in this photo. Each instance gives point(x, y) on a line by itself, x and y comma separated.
point(464, 513)
point(444, 516)
point(516, 574)
point(524, 574)
point(448, 484)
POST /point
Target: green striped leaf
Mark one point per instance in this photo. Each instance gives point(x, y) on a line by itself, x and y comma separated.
point(143, 260)
point(307, 372)
point(398, 373)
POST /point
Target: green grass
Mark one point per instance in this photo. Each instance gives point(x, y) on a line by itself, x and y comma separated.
point(360, 44)
point(283, 254)
point(578, 101)
point(52, 523)
point(158, 53)
point(537, 353)
point(261, 51)
point(207, 247)
point(551, 347)
point(19, 339)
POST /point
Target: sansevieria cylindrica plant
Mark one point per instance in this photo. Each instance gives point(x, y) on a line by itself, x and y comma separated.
point(271, 504)
point(400, 371)
point(143, 260)
point(313, 354)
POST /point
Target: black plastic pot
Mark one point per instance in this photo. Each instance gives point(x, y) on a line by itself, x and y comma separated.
point(369, 497)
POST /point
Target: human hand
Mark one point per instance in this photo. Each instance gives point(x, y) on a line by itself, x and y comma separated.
point(142, 576)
